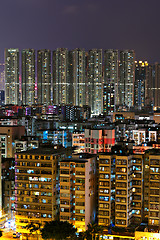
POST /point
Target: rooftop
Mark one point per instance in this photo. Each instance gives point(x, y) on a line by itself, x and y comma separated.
point(45, 150)
point(80, 157)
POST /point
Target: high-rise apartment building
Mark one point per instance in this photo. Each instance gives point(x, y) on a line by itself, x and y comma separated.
point(152, 187)
point(152, 85)
point(2, 76)
point(61, 84)
point(36, 186)
point(94, 70)
point(12, 76)
point(156, 82)
point(2, 97)
point(123, 190)
point(120, 188)
point(44, 77)
point(78, 190)
point(137, 166)
point(28, 76)
point(79, 77)
point(104, 189)
point(127, 78)
point(110, 86)
point(140, 83)
point(149, 87)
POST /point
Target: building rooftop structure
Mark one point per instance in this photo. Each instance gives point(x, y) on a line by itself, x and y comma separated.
point(46, 149)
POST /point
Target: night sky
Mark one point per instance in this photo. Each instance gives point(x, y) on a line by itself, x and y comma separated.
point(119, 24)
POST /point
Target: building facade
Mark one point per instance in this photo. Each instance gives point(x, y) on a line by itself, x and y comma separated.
point(44, 77)
point(110, 87)
point(153, 177)
point(99, 140)
point(28, 77)
point(140, 84)
point(104, 189)
point(127, 78)
point(94, 75)
point(12, 76)
point(79, 77)
point(78, 190)
point(36, 186)
point(61, 86)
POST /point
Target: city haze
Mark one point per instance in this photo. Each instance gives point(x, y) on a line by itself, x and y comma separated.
point(86, 24)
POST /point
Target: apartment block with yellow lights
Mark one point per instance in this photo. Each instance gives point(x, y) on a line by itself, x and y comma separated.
point(154, 188)
point(120, 189)
point(146, 171)
point(78, 141)
point(137, 188)
point(139, 235)
point(123, 190)
point(104, 189)
point(36, 186)
point(78, 190)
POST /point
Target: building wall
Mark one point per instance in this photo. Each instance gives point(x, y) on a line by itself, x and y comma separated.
point(137, 188)
point(78, 191)
point(8, 134)
point(104, 190)
point(28, 77)
point(127, 78)
point(36, 188)
point(94, 73)
point(122, 191)
point(154, 188)
point(60, 76)
point(110, 87)
point(78, 141)
point(99, 140)
point(79, 77)
point(44, 77)
point(141, 75)
point(12, 76)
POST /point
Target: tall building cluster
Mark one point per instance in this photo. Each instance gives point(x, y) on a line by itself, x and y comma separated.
point(105, 81)
point(80, 140)
point(117, 188)
point(109, 177)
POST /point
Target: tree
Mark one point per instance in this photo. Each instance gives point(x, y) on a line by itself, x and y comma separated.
point(100, 230)
point(93, 230)
point(58, 230)
point(33, 228)
point(82, 235)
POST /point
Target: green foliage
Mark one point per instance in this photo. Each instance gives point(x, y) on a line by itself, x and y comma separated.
point(58, 230)
point(93, 230)
point(33, 227)
point(82, 235)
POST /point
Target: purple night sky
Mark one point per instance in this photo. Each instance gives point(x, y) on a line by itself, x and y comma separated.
point(119, 24)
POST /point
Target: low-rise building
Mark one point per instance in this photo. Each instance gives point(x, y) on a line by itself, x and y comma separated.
point(99, 140)
point(78, 141)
